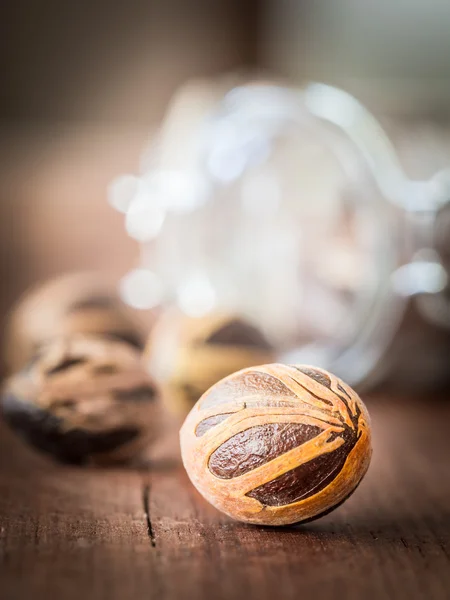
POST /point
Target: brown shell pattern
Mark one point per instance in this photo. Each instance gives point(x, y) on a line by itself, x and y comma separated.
point(277, 436)
point(84, 399)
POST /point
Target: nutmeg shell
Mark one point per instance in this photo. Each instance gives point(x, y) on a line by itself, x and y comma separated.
point(189, 354)
point(76, 303)
point(84, 400)
point(277, 444)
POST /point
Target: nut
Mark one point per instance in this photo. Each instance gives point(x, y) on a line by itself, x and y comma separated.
point(76, 303)
point(190, 354)
point(277, 444)
point(84, 400)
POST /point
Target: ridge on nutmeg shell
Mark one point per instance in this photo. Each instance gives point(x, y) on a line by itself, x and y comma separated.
point(277, 444)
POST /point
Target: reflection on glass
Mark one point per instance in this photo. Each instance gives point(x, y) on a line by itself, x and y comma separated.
point(288, 208)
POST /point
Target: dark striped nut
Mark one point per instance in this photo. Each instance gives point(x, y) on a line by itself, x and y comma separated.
point(190, 354)
point(84, 400)
point(277, 444)
point(85, 303)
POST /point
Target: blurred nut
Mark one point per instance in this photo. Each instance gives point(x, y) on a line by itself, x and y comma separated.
point(190, 354)
point(76, 303)
point(84, 400)
point(277, 445)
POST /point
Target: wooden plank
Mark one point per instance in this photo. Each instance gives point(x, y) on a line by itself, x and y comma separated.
point(71, 533)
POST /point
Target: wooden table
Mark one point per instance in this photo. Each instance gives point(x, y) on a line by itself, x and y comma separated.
point(133, 534)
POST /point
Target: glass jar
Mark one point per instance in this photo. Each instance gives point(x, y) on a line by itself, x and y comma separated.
point(288, 207)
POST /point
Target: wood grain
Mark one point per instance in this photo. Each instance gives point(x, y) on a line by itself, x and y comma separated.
point(146, 533)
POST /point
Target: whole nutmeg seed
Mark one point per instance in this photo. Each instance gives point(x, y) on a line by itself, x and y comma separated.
point(277, 444)
point(189, 354)
point(84, 400)
point(77, 303)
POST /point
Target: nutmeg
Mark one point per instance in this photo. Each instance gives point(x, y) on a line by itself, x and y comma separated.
point(277, 444)
point(190, 354)
point(85, 303)
point(84, 400)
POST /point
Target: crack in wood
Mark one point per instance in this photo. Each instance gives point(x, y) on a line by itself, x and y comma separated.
point(146, 503)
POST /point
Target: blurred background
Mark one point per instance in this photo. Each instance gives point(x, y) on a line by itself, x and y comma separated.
point(85, 86)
